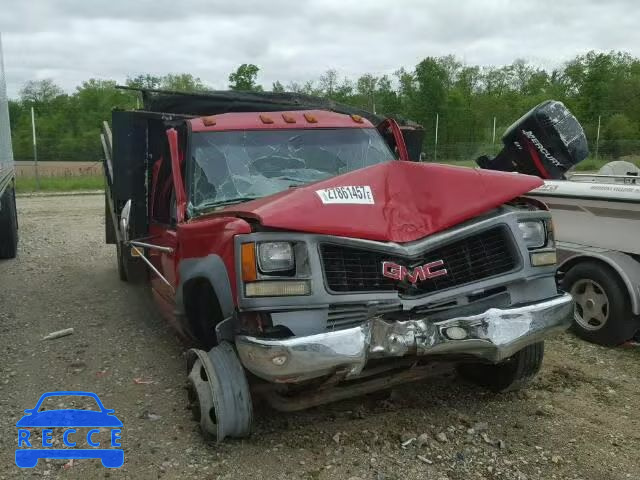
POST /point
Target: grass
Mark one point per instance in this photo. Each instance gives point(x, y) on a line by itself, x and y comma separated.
point(60, 184)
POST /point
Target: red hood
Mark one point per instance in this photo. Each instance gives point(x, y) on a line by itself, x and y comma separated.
point(410, 201)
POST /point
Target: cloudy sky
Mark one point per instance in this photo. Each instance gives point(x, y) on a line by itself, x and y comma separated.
point(73, 40)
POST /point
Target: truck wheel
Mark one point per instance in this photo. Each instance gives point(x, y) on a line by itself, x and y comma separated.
point(602, 307)
point(218, 392)
point(8, 224)
point(512, 374)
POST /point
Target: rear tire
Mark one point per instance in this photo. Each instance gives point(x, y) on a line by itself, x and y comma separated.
point(512, 374)
point(8, 225)
point(602, 307)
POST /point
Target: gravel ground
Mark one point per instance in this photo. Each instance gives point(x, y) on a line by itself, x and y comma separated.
point(579, 420)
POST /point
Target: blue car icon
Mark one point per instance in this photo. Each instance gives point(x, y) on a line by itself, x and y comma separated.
point(68, 418)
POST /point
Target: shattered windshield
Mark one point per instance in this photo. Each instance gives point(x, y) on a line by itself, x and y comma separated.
point(235, 166)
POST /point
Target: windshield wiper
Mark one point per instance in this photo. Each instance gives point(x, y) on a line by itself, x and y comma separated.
point(222, 203)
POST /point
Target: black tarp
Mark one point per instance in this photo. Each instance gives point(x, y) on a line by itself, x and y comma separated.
point(217, 102)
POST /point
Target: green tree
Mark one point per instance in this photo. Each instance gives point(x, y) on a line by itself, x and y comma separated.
point(277, 87)
point(145, 80)
point(620, 136)
point(182, 82)
point(40, 91)
point(245, 78)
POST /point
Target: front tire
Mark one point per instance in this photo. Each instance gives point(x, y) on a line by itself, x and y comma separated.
point(218, 392)
point(8, 225)
point(512, 374)
point(602, 307)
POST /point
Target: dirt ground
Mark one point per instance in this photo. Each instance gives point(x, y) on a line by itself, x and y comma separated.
point(579, 420)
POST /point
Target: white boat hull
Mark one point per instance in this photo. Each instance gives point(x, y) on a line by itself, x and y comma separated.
point(598, 214)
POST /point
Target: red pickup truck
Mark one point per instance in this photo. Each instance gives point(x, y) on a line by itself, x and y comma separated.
point(307, 259)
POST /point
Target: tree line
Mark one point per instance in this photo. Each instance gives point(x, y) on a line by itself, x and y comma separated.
point(602, 89)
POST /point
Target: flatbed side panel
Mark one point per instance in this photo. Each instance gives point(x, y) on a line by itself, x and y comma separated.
point(6, 153)
point(129, 167)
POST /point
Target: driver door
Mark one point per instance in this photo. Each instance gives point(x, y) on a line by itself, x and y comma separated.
point(165, 216)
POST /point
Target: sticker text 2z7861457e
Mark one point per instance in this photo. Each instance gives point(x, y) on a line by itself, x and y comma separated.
point(347, 194)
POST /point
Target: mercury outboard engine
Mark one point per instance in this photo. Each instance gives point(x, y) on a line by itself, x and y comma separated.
point(547, 141)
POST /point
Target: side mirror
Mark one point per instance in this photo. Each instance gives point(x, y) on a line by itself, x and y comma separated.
point(124, 221)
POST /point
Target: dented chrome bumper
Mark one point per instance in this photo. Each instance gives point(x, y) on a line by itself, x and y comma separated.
point(491, 336)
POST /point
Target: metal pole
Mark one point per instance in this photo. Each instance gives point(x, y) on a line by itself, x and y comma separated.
point(493, 138)
point(35, 147)
point(597, 138)
point(435, 147)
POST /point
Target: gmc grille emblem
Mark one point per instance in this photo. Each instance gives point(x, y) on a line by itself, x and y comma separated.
point(421, 273)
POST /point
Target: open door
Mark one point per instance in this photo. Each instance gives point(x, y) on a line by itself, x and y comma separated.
point(405, 141)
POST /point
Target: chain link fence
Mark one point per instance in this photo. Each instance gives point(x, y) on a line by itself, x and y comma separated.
point(463, 139)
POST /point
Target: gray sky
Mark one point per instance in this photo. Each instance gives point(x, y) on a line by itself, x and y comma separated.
point(73, 40)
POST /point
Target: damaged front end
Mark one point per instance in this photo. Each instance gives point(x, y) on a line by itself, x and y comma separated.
point(377, 313)
point(493, 336)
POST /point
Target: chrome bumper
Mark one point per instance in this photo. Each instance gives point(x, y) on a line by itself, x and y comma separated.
point(491, 336)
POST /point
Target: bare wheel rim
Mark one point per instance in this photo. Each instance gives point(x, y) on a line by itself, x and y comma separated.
point(591, 310)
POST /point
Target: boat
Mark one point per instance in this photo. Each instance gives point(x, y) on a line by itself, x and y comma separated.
point(596, 219)
point(595, 210)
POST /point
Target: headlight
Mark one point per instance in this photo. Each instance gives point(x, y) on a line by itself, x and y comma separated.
point(275, 256)
point(533, 233)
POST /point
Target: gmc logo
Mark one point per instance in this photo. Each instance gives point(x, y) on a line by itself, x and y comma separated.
point(421, 273)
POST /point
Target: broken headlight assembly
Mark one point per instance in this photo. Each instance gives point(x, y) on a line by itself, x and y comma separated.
point(538, 234)
point(534, 233)
point(269, 269)
point(275, 257)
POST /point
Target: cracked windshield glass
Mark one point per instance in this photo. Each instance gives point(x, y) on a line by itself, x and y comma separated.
point(235, 166)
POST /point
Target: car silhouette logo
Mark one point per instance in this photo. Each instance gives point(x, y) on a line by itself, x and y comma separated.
point(69, 419)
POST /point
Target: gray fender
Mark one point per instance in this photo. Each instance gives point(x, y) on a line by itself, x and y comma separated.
point(213, 269)
point(626, 266)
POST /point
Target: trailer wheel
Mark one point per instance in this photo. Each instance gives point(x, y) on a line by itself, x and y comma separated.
point(218, 392)
point(602, 311)
point(512, 374)
point(8, 224)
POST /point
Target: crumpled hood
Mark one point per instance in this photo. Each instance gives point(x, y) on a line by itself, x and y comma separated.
point(396, 201)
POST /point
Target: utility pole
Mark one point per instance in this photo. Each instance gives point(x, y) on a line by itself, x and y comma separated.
point(598, 138)
point(35, 147)
point(493, 138)
point(435, 147)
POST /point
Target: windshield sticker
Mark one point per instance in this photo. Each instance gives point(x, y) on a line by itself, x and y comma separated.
point(347, 194)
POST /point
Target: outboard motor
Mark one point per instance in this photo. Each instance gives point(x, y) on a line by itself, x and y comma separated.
point(547, 141)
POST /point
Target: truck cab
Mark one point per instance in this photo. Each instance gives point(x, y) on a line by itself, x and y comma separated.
point(308, 260)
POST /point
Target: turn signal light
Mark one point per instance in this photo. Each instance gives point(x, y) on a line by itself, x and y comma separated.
point(288, 118)
point(248, 256)
point(540, 259)
point(357, 118)
point(209, 121)
point(266, 119)
point(278, 288)
point(310, 118)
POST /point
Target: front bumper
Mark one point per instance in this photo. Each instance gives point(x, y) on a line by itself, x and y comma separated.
point(491, 336)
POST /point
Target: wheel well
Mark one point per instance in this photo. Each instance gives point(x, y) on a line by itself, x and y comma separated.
point(201, 305)
point(572, 262)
